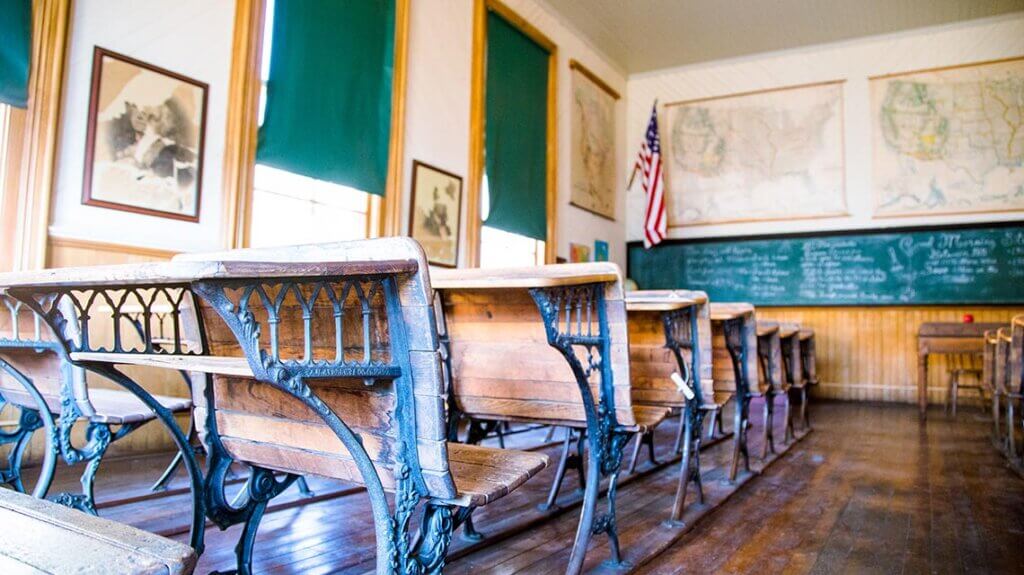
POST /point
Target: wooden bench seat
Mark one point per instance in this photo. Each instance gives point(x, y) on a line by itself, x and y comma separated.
point(40, 537)
point(113, 406)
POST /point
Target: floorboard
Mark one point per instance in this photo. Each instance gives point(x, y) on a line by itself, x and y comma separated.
point(869, 491)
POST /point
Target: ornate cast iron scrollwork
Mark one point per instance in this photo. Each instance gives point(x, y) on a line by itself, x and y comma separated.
point(576, 323)
point(682, 334)
point(68, 313)
point(242, 306)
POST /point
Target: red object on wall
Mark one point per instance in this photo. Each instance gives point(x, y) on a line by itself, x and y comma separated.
point(968, 318)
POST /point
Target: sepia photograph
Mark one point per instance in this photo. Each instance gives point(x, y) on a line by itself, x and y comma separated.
point(144, 145)
point(436, 209)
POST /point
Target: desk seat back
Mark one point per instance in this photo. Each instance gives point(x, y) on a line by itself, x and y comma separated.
point(259, 424)
point(809, 355)
point(1002, 362)
point(503, 367)
point(651, 364)
point(770, 355)
point(723, 371)
point(1017, 354)
point(46, 369)
point(988, 365)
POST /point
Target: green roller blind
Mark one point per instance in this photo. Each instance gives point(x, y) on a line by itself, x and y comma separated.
point(328, 113)
point(15, 51)
point(515, 130)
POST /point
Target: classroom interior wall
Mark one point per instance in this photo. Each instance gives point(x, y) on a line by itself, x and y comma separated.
point(865, 353)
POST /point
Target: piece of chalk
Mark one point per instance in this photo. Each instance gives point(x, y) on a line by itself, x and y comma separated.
point(678, 380)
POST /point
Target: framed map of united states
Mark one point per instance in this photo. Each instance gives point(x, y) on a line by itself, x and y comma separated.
point(756, 156)
point(949, 140)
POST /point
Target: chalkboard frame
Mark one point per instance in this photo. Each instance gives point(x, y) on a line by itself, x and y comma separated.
point(840, 233)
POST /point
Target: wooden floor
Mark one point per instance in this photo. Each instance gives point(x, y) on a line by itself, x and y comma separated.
point(869, 491)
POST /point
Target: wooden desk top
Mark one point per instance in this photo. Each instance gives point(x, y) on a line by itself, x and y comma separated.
point(179, 272)
point(955, 329)
point(657, 301)
point(767, 327)
point(789, 329)
point(721, 311)
point(555, 275)
point(697, 296)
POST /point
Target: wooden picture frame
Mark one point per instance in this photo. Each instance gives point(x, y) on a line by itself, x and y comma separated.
point(427, 226)
point(887, 206)
point(592, 150)
point(151, 139)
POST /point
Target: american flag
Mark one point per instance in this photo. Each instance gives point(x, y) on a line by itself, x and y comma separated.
point(649, 164)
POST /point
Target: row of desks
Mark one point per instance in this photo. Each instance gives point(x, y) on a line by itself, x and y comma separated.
point(347, 340)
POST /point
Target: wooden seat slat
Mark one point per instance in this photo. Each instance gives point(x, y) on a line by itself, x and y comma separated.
point(112, 406)
point(44, 537)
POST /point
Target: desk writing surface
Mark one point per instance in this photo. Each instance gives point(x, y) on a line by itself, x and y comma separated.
point(179, 272)
point(555, 275)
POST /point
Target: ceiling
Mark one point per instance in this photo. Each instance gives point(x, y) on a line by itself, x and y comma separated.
point(643, 35)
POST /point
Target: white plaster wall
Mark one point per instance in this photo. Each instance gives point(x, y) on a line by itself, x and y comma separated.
point(437, 114)
point(853, 61)
point(191, 37)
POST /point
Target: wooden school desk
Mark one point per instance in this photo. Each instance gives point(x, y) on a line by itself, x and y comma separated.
point(945, 338)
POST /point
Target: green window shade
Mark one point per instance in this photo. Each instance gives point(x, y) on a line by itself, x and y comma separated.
point(15, 51)
point(328, 113)
point(515, 130)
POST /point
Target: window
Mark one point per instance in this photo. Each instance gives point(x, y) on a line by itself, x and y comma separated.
point(12, 122)
point(289, 208)
point(505, 249)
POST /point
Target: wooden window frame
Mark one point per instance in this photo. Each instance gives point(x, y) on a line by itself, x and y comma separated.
point(477, 120)
point(34, 142)
point(383, 214)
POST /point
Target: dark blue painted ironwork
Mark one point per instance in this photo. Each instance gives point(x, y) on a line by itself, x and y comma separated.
point(736, 344)
point(98, 436)
point(396, 552)
point(576, 321)
point(50, 305)
point(682, 334)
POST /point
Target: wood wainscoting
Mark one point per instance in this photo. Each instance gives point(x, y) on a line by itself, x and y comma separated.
point(870, 353)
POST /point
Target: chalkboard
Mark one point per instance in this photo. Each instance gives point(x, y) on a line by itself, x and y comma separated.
point(979, 265)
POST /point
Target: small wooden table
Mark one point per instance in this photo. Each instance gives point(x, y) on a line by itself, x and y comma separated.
point(946, 338)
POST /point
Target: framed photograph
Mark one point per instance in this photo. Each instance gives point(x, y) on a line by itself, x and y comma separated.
point(436, 212)
point(144, 141)
point(592, 138)
point(600, 251)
